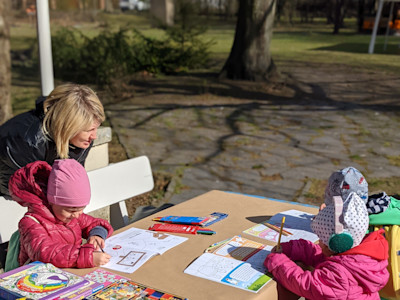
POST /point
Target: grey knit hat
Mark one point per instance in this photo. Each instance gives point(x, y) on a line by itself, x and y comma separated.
point(345, 181)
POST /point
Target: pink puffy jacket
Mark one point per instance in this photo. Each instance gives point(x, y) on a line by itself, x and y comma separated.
point(50, 240)
point(356, 274)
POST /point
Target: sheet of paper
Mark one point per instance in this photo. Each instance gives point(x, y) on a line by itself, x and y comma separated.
point(130, 249)
point(245, 250)
point(298, 223)
point(228, 271)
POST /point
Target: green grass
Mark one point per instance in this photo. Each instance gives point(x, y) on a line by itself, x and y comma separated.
point(290, 43)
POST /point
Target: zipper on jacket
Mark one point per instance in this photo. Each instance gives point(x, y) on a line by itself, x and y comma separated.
point(11, 158)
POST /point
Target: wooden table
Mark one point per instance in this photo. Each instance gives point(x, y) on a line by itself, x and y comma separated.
point(165, 271)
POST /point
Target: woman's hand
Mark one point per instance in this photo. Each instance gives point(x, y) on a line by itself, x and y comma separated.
point(100, 258)
point(97, 242)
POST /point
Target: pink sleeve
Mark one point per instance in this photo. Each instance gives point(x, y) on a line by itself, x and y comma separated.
point(40, 245)
point(304, 251)
point(328, 281)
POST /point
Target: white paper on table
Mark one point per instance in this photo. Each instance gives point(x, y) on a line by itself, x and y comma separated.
point(131, 248)
point(228, 271)
point(296, 222)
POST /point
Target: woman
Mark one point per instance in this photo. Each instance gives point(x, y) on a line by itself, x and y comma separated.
point(63, 125)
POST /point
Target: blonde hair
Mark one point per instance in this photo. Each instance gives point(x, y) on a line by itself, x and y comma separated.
point(70, 109)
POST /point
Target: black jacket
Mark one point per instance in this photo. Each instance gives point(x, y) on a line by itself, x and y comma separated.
point(22, 141)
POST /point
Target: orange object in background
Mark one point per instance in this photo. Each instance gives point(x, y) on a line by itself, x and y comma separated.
point(369, 22)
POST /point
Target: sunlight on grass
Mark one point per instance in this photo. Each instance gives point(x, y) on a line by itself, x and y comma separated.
point(301, 42)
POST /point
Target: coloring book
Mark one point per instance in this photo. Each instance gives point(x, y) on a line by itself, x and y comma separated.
point(245, 250)
point(297, 226)
point(131, 248)
point(128, 289)
point(38, 281)
point(236, 262)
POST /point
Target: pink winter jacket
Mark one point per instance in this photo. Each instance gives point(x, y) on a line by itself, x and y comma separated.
point(356, 274)
point(50, 240)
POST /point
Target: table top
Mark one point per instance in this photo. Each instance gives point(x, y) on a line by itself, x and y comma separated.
point(165, 272)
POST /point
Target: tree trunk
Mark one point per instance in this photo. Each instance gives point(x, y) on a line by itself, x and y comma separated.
point(23, 4)
point(338, 21)
point(5, 65)
point(109, 6)
point(250, 57)
point(360, 15)
point(102, 4)
point(53, 4)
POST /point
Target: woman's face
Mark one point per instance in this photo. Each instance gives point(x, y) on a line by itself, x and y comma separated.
point(84, 138)
point(66, 214)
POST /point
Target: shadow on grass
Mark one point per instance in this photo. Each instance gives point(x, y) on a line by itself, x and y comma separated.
point(362, 48)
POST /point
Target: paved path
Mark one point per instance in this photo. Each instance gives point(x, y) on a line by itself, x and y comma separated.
point(267, 144)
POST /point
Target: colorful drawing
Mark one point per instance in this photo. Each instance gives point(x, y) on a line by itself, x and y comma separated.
point(42, 282)
point(103, 276)
point(122, 290)
point(38, 281)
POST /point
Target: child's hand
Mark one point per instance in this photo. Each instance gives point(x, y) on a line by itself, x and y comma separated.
point(322, 206)
point(276, 250)
point(100, 258)
point(97, 242)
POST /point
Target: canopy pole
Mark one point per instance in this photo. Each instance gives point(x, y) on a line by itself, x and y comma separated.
point(45, 53)
point(375, 30)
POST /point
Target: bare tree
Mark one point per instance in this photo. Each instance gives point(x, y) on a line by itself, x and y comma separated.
point(5, 65)
point(250, 57)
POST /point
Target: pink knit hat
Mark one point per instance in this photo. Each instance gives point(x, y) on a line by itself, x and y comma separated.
point(68, 184)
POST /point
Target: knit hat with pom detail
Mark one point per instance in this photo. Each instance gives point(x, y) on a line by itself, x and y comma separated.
point(342, 225)
point(68, 184)
point(345, 181)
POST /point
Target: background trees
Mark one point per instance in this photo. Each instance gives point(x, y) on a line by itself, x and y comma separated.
point(5, 65)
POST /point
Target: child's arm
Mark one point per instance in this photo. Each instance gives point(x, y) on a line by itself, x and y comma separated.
point(45, 244)
point(88, 223)
point(97, 237)
point(305, 251)
point(328, 281)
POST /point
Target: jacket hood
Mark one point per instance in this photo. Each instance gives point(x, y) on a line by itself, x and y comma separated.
point(367, 262)
point(28, 187)
point(374, 245)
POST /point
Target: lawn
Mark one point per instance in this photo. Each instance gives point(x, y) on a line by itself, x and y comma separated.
point(300, 42)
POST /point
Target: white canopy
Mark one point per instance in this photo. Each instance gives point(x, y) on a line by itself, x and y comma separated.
point(376, 24)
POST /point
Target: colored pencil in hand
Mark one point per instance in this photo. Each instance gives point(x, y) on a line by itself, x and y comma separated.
point(280, 234)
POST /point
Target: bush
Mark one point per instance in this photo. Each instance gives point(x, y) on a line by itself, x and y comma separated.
point(111, 55)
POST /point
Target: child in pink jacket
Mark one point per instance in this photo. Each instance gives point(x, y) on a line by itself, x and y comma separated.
point(346, 264)
point(52, 229)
